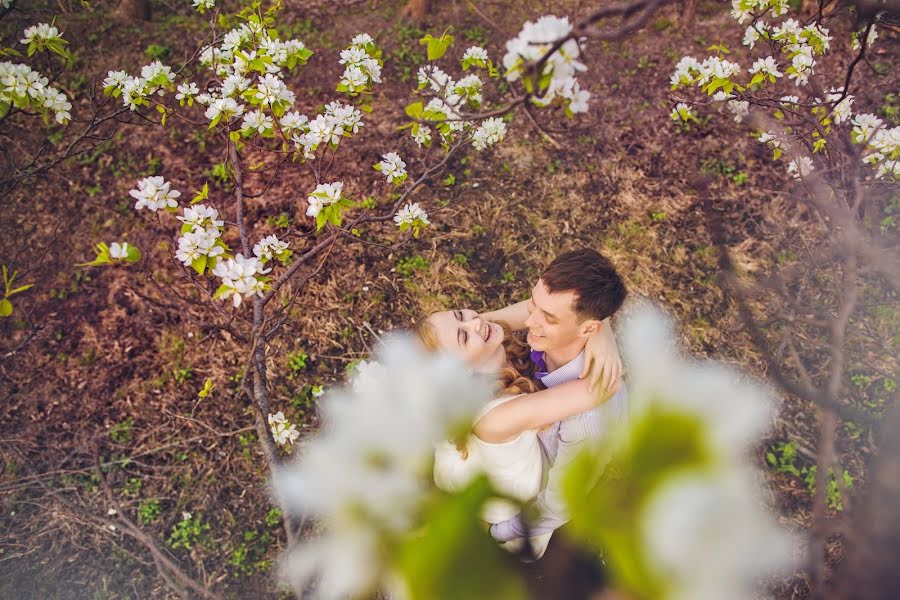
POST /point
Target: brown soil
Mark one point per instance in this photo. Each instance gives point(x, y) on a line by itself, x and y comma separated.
point(103, 364)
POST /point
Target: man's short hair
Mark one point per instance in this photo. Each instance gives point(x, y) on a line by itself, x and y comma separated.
point(599, 291)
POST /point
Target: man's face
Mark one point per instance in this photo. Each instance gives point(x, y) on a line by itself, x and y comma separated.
point(552, 322)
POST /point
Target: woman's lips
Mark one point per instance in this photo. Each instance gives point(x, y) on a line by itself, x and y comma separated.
point(488, 335)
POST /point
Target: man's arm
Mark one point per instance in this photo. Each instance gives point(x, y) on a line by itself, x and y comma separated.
point(513, 315)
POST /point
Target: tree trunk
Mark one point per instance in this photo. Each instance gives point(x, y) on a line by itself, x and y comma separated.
point(686, 19)
point(133, 10)
point(870, 571)
point(416, 10)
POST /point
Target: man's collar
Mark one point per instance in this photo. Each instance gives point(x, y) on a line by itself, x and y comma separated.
point(567, 372)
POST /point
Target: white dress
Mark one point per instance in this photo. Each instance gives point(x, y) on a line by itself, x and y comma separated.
point(514, 468)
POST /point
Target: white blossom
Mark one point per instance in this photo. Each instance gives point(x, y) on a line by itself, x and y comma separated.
point(753, 33)
point(475, 53)
point(293, 122)
point(682, 113)
point(490, 132)
point(283, 431)
point(224, 109)
point(234, 84)
point(411, 213)
point(271, 91)
point(392, 167)
point(187, 90)
point(239, 278)
point(258, 122)
point(197, 243)
point(324, 195)
point(422, 135)
point(434, 78)
point(354, 78)
point(766, 66)
point(800, 167)
point(870, 39)
point(154, 193)
point(118, 251)
point(740, 109)
point(684, 71)
point(269, 248)
point(201, 216)
point(841, 111)
point(158, 74)
point(345, 116)
point(366, 473)
point(802, 63)
point(115, 79)
point(361, 39)
point(39, 33)
point(864, 125)
point(203, 5)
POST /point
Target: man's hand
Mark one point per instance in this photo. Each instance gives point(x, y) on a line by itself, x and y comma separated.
point(602, 363)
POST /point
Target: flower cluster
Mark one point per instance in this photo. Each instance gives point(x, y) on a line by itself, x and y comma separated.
point(362, 65)
point(557, 79)
point(112, 253)
point(490, 132)
point(799, 44)
point(412, 216)
point(200, 245)
point(270, 248)
point(240, 278)
point(392, 167)
point(366, 474)
point(870, 39)
point(203, 5)
point(155, 78)
point(26, 89)
point(155, 193)
point(326, 203)
point(741, 10)
point(326, 130)
point(884, 143)
point(475, 56)
point(683, 113)
point(694, 524)
point(283, 431)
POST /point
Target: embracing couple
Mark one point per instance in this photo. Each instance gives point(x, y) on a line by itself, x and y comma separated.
point(545, 410)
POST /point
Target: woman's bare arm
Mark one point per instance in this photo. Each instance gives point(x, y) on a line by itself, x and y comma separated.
point(531, 411)
point(513, 315)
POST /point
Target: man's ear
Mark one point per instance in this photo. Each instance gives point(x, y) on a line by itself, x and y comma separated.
point(591, 327)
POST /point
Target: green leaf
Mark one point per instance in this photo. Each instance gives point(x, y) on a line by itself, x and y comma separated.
point(454, 558)
point(200, 195)
point(221, 290)
point(414, 110)
point(6, 308)
point(207, 388)
point(133, 255)
point(20, 289)
point(199, 265)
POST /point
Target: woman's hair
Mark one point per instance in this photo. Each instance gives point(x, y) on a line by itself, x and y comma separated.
point(513, 380)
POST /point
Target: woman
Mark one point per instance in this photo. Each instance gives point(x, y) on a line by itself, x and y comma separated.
point(504, 443)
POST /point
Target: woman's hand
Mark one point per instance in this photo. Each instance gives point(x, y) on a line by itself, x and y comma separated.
point(602, 363)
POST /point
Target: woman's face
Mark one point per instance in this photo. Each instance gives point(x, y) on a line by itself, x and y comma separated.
point(465, 334)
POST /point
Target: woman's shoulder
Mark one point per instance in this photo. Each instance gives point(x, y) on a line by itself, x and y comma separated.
point(494, 403)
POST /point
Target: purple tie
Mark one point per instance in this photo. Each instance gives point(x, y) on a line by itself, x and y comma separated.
point(540, 366)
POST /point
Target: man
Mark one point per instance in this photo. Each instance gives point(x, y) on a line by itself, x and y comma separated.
point(570, 305)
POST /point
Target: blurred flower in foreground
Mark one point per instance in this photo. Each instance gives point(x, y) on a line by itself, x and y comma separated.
point(367, 474)
point(679, 517)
